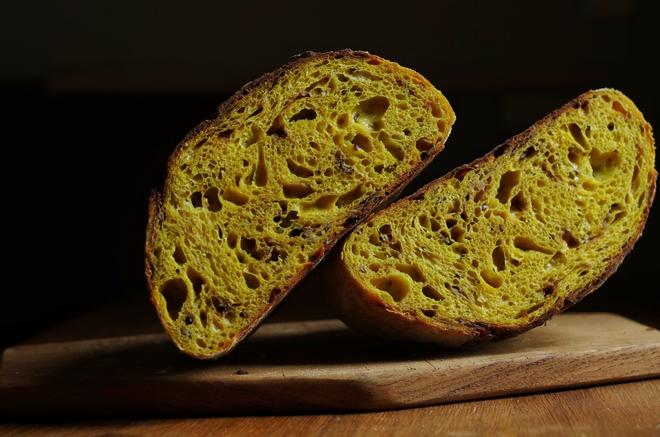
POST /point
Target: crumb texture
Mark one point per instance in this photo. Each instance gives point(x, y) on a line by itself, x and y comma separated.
point(515, 235)
point(256, 196)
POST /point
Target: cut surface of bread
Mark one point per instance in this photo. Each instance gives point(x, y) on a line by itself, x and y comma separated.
point(256, 197)
point(498, 246)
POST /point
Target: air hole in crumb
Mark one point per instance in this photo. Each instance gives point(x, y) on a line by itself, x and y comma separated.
point(518, 203)
point(436, 111)
point(304, 114)
point(527, 244)
point(459, 248)
point(299, 170)
point(235, 196)
point(297, 190)
point(362, 142)
point(574, 156)
point(576, 132)
point(211, 196)
point(413, 271)
point(603, 163)
point(395, 285)
point(457, 233)
point(507, 182)
point(175, 293)
point(324, 202)
point(618, 107)
point(610, 126)
point(570, 240)
point(179, 256)
point(289, 218)
point(256, 135)
point(342, 121)
point(431, 293)
point(273, 294)
point(196, 279)
point(372, 108)
point(249, 245)
point(423, 145)
point(256, 112)
point(350, 196)
point(277, 128)
point(276, 254)
point(232, 239)
point(428, 313)
point(499, 260)
point(251, 280)
point(529, 153)
point(261, 172)
point(225, 133)
point(424, 221)
point(548, 290)
point(394, 149)
point(386, 231)
point(196, 199)
point(635, 178)
point(492, 278)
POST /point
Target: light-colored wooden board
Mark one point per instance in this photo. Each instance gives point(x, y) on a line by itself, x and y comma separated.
point(316, 366)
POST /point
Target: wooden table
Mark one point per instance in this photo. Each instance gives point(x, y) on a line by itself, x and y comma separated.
point(631, 408)
point(612, 410)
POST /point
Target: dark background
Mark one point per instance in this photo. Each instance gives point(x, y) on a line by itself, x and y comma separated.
point(95, 95)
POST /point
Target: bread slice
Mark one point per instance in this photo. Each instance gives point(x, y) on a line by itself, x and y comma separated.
point(498, 246)
point(257, 196)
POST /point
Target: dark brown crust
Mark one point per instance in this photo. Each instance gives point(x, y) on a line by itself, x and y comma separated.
point(385, 196)
point(365, 311)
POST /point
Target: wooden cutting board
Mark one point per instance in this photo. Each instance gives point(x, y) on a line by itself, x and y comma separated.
point(317, 365)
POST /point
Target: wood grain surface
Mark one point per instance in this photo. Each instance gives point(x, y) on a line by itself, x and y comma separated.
point(317, 366)
point(628, 409)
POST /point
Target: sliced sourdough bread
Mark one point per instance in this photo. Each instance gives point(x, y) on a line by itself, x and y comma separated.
point(257, 196)
point(498, 246)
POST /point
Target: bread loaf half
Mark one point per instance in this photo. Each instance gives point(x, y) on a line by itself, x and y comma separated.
point(256, 197)
point(498, 246)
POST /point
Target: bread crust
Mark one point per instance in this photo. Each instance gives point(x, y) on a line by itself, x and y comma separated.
point(373, 202)
point(363, 310)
